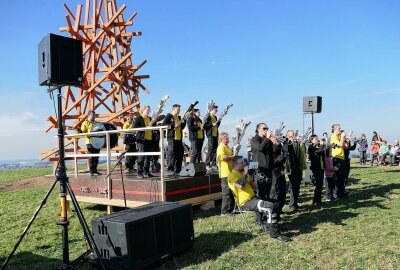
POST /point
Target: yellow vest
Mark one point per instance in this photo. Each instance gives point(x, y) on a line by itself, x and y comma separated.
point(225, 167)
point(148, 134)
point(337, 152)
point(244, 194)
point(86, 127)
point(214, 130)
point(200, 133)
point(178, 129)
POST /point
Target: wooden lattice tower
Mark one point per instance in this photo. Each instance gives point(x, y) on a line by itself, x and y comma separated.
point(110, 81)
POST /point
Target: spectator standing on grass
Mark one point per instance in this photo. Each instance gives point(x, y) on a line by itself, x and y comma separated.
point(224, 159)
point(384, 151)
point(362, 148)
point(394, 152)
point(316, 157)
point(338, 139)
point(347, 148)
point(329, 172)
point(374, 149)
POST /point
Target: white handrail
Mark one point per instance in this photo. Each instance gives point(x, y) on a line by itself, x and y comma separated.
point(109, 155)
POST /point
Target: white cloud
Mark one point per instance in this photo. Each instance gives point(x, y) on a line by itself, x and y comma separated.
point(20, 123)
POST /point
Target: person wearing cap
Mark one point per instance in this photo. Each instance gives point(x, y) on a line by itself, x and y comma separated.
point(211, 125)
point(85, 128)
point(394, 152)
point(196, 135)
point(174, 138)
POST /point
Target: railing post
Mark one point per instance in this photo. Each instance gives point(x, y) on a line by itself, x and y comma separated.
point(109, 180)
point(75, 158)
point(162, 175)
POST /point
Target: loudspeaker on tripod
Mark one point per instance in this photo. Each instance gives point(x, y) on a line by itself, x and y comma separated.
point(60, 61)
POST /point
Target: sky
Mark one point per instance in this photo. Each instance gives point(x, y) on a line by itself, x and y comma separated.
point(263, 56)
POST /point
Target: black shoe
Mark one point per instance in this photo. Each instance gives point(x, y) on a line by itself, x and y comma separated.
point(294, 208)
point(97, 173)
point(281, 237)
point(149, 174)
point(140, 175)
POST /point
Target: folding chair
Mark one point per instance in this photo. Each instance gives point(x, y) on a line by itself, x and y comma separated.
point(238, 210)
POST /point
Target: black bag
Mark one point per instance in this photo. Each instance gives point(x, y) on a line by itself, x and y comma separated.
point(129, 138)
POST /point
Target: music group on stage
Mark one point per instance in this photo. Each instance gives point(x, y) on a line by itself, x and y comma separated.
point(261, 189)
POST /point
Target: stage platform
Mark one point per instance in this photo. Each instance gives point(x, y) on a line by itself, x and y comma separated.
point(99, 190)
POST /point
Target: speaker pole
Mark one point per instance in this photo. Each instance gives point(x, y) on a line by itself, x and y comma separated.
point(312, 123)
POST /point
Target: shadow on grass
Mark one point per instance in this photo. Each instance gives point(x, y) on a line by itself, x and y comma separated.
point(27, 260)
point(337, 212)
point(207, 246)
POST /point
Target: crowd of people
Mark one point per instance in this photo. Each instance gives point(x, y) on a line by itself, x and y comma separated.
point(281, 161)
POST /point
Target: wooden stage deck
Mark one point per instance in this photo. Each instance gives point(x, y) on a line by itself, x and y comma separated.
point(194, 190)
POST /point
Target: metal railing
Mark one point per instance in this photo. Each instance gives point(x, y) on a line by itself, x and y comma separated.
point(109, 152)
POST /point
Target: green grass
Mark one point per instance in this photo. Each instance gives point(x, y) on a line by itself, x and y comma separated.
point(13, 175)
point(361, 232)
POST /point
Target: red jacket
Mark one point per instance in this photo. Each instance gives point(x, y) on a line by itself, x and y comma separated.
point(374, 149)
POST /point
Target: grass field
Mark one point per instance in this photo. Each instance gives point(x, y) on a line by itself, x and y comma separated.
point(361, 232)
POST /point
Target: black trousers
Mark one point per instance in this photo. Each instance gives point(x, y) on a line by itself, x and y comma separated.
point(93, 161)
point(175, 155)
point(196, 145)
point(346, 171)
point(294, 184)
point(212, 151)
point(330, 186)
point(130, 160)
point(260, 206)
point(228, 203)
point(319, 182)
point(340, 176)
point(278, 189)
point(155, 148)
point(144, 161)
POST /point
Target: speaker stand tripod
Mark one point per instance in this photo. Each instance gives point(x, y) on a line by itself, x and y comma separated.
point(61, 177)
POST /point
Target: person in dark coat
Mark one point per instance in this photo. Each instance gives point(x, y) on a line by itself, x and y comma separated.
point(316, 157)
point(174, 139)
point(196, 135)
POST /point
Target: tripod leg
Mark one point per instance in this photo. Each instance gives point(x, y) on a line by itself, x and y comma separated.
point(42, 203)
point(84, 225)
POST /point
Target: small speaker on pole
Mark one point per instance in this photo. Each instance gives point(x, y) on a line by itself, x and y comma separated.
point(60, 61)
point(312, 104)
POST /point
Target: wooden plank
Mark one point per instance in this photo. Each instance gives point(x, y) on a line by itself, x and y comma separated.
point(97, 83)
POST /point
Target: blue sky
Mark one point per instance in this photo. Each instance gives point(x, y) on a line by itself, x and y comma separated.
point(263, 56)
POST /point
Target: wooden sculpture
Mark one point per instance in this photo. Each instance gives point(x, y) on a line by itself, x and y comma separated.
point(111, 84)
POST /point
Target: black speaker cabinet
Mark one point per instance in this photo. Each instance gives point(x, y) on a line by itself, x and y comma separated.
point(312, 104)
point(60, 61)
point(138, 237)
point(194, 169)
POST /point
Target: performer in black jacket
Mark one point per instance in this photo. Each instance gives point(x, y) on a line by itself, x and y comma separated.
point(196, 135)
point(144, 141)
point(211, 125)
point(278, 188)
point(291, 149)
point(262, 149)
point(174, 139)
point(348, 147)
point(316, 157)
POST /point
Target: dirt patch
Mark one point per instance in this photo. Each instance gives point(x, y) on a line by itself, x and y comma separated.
point(27, 183)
